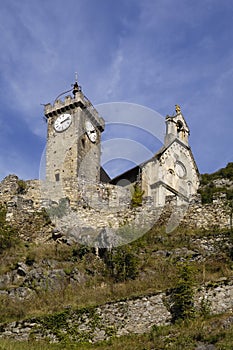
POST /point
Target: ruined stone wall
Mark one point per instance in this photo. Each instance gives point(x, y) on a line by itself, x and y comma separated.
point(14, 190)
point(100, 205)
point(137, 315)
point(8, 188)
point(208, 216)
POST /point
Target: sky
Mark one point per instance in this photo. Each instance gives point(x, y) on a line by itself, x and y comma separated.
point(153, 53)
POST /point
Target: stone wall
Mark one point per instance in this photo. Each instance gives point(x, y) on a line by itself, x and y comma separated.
point(104, 206)
point(208, 216)
point(136, 315)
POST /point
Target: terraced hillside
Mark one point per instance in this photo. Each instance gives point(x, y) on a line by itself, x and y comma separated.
point(55, 291)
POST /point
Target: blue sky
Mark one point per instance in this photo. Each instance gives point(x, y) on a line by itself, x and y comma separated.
point(156, 53)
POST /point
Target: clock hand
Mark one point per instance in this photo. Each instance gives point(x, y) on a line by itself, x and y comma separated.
point(63, 121)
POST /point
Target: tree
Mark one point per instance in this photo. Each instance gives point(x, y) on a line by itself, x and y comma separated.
point(182, 296)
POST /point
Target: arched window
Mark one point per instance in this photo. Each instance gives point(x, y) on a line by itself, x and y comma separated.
point(179, 126)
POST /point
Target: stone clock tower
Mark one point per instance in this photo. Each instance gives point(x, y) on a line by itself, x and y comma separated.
point(74, 130)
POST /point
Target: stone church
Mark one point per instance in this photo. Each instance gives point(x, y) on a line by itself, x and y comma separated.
point(73, 152)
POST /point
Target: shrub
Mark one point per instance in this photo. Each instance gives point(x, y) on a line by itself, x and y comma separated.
point(136, 200)
point(2, 215)
point(182, 296)
point(45, 216)
point(22, 187)
point(8, 238)
point(8, 235)
point(122, 264)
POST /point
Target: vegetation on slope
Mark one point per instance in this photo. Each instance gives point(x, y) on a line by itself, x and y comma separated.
point(209, 187)
point(224, 173)
point(147, 265)
point(8, 235)
point(157, 261)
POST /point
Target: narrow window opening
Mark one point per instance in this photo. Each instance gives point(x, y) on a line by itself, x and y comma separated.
point(179, 126)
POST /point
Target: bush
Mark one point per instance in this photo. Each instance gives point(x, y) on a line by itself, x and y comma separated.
point(2, 215)
point(8, 235)
point(8, 238)
point(137, 196)
point(22, 187)
point(122, 264)
point(182, 296)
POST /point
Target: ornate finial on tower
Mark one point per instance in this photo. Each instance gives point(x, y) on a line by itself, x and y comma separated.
point(178, 110)
point(76, 88)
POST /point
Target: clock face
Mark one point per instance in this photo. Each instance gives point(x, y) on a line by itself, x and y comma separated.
point(180, 170)
point(91, 131)
point(62, 122)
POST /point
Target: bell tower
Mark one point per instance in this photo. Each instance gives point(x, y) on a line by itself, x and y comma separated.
point(74, 130)
point(176, 128)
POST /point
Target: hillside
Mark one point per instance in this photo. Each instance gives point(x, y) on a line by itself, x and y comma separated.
point(55, 290)
point(219, 181)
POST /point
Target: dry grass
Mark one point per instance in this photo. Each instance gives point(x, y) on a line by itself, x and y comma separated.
point(99, 291)
point(156, 273)
point(81, 295)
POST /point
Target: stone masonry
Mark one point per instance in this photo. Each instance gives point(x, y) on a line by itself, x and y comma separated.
point(109, 207)
point(119, 318)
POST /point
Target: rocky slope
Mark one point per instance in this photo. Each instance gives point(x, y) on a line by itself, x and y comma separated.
point(46, 278)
